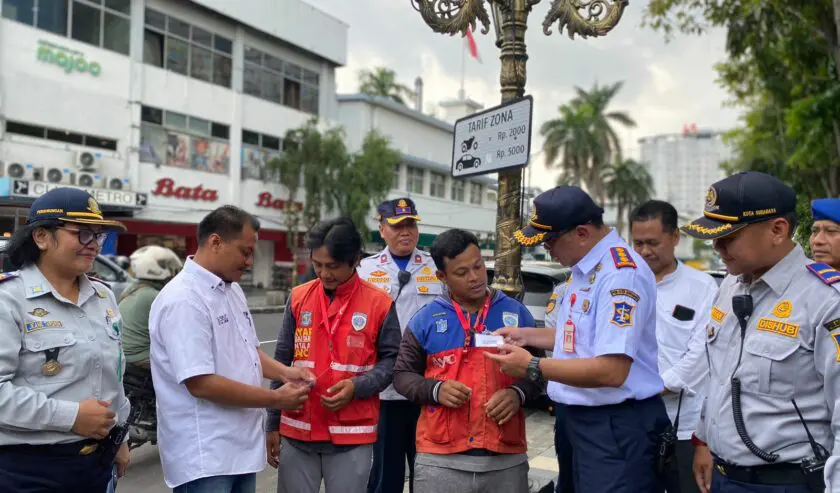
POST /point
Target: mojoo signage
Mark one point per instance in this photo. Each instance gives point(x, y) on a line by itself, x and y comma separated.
point(68, 59)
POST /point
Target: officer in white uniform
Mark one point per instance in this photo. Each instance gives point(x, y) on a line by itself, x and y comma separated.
point(773, 345)
point(408, 275)
point(62, 405)
point(604, 367)
point(683, 303)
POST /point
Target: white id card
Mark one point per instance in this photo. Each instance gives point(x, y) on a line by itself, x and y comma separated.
point(487, 340)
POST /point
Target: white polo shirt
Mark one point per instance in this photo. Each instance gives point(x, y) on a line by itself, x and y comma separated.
point(200, 325)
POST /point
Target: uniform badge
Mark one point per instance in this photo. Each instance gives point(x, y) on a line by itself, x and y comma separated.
point(599, 267)
point(39, 312)
point(782, 309)
point(109, 314)
point(306, 319)
point(441, 326)
point(585, 306)
point(592, 278)
point(622, 314)
point(99, 294)
point(383, 259)
point(711, 199)
point(359, 321)
point(836, 338)
point(510, 319)
point(51, 368)
point(552, 303)
point(418, 259)
point(36, 289)
point(710, 331)
point(621, 258)
point(423, 289)
point(378, 273)
point(426, 270)
point(718, 315)
point(93, 207)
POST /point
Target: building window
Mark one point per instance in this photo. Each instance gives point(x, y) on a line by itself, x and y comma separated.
point(258, 150)
point(49, 15)
point(458, 188)
point(183, 141)
point(395, 183)
point(438, 185)
point(60, 135)
point(106, 25)
point(180, 47)
point(267, 77)
point(414, 180)
point(475, 193)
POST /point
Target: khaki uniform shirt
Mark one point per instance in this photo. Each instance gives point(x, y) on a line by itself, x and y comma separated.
point(791, 351)
point(40, 407)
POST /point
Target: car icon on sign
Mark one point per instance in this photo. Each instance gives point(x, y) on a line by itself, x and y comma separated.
point(467, 161)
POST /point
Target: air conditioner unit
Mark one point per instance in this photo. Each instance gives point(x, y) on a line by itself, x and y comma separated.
point(89, 180)
point(117, 183)
point(14, 170)
point(22, 171)
point(59, 175)
point(86, 161)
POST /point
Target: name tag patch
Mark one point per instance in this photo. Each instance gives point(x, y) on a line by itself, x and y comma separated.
point(355, 342)
point(832, 324)
point(625, 292)
point(426, 279)
point(43, 324)
point(718, 314)
point(778, 327)
point(380, 280)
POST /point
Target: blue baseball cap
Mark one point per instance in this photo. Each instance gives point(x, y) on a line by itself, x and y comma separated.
point(826, 210)
point(558, 210)
point(397, 210)
point(70, 205)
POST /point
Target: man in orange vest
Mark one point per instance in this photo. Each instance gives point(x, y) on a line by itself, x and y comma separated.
point(346, 331)
point(471, 432)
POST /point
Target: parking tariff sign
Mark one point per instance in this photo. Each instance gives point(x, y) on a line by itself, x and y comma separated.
point(493, 140)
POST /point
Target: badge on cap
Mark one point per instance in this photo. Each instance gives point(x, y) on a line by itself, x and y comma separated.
point(402, 208)
point(359, 321)
point(711, 199)
point(93, 207)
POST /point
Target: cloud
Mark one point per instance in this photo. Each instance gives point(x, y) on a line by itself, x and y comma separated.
point(665, 84)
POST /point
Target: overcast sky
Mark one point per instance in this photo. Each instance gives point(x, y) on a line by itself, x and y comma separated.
point(666, 84)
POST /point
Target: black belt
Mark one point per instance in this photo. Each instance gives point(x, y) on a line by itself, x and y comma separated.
point(785, 473)
point(83, 447)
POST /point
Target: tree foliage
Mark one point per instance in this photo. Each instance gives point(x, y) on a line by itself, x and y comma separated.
point(783, 71)
point(382, 81)
point(332, 179)
point(629, 184)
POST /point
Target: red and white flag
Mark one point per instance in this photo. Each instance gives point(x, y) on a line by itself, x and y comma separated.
point(470, 42)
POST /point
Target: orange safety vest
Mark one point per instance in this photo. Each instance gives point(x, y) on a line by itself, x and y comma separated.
point(335, 347)
point(442, 430)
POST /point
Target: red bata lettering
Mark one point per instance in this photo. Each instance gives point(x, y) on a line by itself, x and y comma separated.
point(166, 188)
point(266, 200)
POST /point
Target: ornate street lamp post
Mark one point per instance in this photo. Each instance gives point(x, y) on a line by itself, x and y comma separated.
point(510, 19)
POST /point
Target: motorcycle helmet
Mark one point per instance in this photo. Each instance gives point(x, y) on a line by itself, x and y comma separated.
point(155, 263)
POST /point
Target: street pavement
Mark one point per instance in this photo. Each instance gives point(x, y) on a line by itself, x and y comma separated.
point(145, 475)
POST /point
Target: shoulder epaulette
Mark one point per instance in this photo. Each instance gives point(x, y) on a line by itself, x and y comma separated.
point(825, 272)
point(621, 258)
point(5, 276)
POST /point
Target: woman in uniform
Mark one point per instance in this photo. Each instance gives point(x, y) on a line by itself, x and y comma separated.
point(62, 404)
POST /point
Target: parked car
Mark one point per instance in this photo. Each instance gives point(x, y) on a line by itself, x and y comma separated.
point(539, 279)
point(103, 268)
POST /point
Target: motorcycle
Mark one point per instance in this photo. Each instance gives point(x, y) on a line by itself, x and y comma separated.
point(141, 394)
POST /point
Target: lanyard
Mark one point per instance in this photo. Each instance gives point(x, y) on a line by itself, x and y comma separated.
point(465, 323)
point(325, 319)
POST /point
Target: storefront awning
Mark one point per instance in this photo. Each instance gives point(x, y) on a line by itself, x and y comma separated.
point(22, 193)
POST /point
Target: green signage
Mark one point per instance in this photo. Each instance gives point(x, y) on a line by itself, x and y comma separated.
point(68, 59)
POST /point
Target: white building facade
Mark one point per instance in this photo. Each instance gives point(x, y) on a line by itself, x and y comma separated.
point(162, 109)
point(424, 174)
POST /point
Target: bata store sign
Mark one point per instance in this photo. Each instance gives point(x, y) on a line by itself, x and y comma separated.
point(166, 187)
point(266, 200)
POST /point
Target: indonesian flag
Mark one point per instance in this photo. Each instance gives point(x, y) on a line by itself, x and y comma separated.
point(471, 45)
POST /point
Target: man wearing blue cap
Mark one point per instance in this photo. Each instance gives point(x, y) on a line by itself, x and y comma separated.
point(825, 232)
point(604, 368)
point(408, 275)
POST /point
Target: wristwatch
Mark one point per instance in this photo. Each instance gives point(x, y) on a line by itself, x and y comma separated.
point(534, 373)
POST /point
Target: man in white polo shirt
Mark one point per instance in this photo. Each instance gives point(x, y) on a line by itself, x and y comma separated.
point(208, 368)
point(684, 298)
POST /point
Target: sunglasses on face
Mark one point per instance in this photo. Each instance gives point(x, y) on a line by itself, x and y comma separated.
point(87, 236)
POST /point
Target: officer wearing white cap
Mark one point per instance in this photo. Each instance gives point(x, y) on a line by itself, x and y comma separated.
point(770, 421)
point(62, 405)
point(408, 275)
point(604, 367)
point(825, 232)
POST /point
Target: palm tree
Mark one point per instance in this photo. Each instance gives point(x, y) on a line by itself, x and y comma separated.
point(583, 137)
point(628, 183)
point(383, 82)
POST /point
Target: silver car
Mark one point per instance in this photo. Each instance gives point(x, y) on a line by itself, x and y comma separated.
point(539, 279)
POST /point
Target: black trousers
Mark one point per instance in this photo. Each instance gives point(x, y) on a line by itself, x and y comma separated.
point(37, 473)
point(563, 448)
point(395, 443)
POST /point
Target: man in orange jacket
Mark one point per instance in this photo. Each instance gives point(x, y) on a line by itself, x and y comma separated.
point(346, 331)
point(471, 432)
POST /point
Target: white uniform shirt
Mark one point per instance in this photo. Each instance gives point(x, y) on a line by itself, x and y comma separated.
point(682, 343)
point(200, 325)
point(613, 312)
point(422, 287)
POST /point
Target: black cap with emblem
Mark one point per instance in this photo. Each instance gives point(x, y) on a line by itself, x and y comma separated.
point(70, 205)
point(397, 210)
point(557, 211)
point(740, 200)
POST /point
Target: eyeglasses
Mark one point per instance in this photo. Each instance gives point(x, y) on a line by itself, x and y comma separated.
point(87, 236)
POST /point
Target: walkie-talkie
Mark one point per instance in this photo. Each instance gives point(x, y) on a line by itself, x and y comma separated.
point(813, 467)
point(668, 442)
